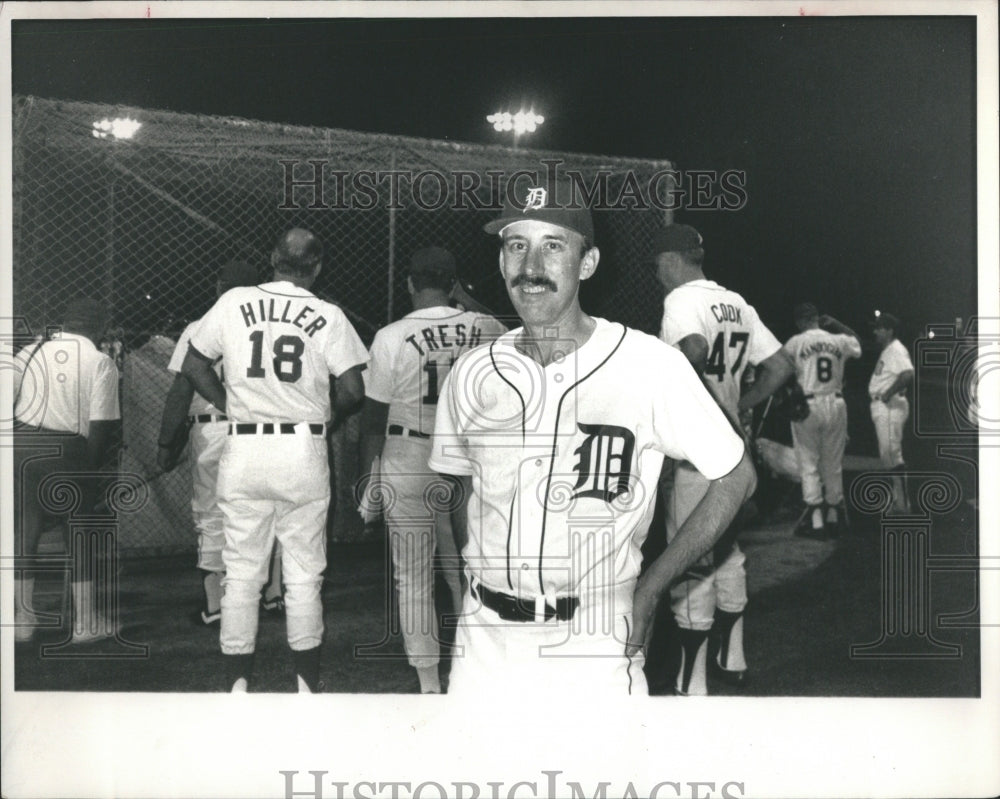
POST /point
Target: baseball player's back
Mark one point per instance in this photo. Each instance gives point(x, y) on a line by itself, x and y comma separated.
point(411, 358)
point(820, 357)
point(729, 324)
point(279, 345)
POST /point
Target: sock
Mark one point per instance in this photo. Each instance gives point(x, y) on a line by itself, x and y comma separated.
point(85, 619)
point(832, 516)
point(430, 682)
point(307, 669)
point(817, 518)
point(238, 670)
point(691, 679)
point(24, 615)
point(212, 583)
point(730, 628)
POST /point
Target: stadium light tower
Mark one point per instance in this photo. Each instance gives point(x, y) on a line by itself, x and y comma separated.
point(518, 123)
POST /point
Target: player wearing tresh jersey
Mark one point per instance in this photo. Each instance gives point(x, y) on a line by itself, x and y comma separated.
point(558, 432)
point(409, 360)
point(720, 334)
point(279, 345)
point(819, 353)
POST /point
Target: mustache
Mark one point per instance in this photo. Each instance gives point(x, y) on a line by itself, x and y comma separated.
point(533, 280)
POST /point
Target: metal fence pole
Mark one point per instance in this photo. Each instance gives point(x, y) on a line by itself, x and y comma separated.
point(390, 290)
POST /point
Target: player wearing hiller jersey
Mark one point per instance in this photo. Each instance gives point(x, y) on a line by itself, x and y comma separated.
point(819, 356)
point(720, 334)
point(559, 430)
point(208, 427)
point(279, 345)
point(409, 360)
point(890, 409)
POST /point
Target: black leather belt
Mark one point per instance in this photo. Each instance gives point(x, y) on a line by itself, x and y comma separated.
point(836, 394)
point(511, 608)
point(205, 418)
point(269, 428)
point(399, 430)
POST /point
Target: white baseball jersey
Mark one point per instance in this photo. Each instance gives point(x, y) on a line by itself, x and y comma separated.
point(280, 344)
point(729, 324)
point(199, 405)
point(411, 358)
point(64, 384)
point(565, 458)
point(893, 361)
point(819, 358)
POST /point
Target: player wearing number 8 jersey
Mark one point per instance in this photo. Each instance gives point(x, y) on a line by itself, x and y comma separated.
point(720, 334)
point(279, 345)
point(819, 356)
point(410, 359)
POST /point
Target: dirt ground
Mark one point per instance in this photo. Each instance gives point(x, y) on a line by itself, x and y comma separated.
point(810, 602)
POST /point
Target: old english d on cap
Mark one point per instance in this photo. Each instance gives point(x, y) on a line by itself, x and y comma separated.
point(537, 202)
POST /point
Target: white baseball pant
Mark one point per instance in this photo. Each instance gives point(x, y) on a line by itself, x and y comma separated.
point(495, 658)
point(705, 586)
point(273, 486)
point(820, 440)
point(207, 440)
point(889, 419)
point(416, 528)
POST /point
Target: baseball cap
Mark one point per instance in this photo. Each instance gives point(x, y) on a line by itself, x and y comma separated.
point(675, 238)
point(237, 273)
point(805, 310)
point(885, 321)
point(537, 202)
point(432, 259)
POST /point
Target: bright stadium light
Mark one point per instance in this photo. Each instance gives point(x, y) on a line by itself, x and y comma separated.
point(518, 123)
point(120, 128)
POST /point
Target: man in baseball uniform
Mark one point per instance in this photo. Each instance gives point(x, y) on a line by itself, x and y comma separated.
point(409, 361)
point(819, 352)
point(279, 346)
point(208, 429)
point(887, 388)
point(719, 333)
point(558, 431)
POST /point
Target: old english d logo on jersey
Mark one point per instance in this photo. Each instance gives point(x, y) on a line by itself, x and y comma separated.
point(605, 466)
point(537, 198)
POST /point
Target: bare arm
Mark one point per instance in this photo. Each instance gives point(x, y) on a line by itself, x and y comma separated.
point(349, 391)
point(695, 349)
point(775, 371)
point(199, 371)
point(374, 416)
point(175, 410)
point(827, 322)
point(696, 537)
point(902, 382)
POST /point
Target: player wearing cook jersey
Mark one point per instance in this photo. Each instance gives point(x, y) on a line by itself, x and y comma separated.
point(819, 353)
point(279, 345)
point(558, 431)
point(720, 334)
point(409, 360)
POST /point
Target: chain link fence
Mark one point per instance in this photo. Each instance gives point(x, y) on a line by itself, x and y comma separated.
point(143, 224)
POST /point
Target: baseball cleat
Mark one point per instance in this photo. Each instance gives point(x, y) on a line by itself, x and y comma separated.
point(275, 605)
point(806, 528)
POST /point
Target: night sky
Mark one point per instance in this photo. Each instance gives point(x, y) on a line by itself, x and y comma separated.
point(857, 135)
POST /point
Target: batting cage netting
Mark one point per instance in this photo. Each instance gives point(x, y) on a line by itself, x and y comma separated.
point(143, 224)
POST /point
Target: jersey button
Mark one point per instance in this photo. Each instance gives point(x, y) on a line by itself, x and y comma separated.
point(558, 378)
point(524, 567)
point(538, 462)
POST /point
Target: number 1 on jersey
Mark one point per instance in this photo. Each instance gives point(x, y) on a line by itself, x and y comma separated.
point(436, 373)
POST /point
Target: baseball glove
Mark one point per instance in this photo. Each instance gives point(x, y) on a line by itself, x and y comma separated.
point(790, 402)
